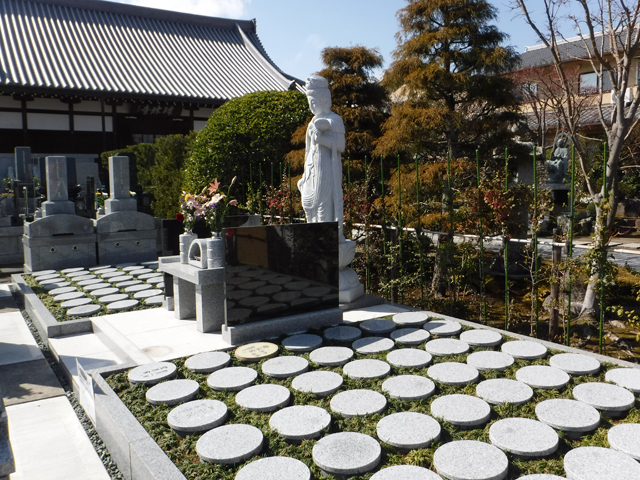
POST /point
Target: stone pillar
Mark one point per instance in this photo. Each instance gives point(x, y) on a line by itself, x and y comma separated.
point(184, 299)
point(210, 307)
point(57, 189)
point(119, 188)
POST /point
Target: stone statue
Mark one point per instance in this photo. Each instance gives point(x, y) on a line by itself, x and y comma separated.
point(558, 164)
point(321, 184)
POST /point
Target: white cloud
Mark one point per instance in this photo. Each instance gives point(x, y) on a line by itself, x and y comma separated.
point(213, 8)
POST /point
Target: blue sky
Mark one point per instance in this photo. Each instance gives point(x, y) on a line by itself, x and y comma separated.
point(294, 32)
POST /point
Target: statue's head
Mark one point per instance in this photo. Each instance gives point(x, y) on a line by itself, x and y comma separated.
point(318, 94)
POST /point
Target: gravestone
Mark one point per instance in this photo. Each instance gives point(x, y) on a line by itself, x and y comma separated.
point(119, 188)
point(57, 189)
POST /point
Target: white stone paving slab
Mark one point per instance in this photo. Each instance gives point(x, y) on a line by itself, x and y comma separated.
point(152, 373)
point(173, 392)
point(605, 397)
point(230, 444)
point(597, 463)
point(575, 363)
point(300, 422)
point(370, 345)
point(347, 453)
point(18, 344)
point(501, 390)
point(409, 387)
point(408, 430)
point(568, 415)
point(542, 376)
point(319, 383)
point(464, 411)
point(366, 369)
point(358, 403)
point(304, 342)
point(625, 438)
point(453, 373)
point(443, 328)
point(266, 397)
point(208, 362)
point(232, 378)
point(410, 336)
point(470, 460)
point(285, 366)
point(490, 360)
point(197, 416)
point(411, 319)
point(524, 349)
point(274, 468)
point(343, 333)
point(377, 327)
point(444, 347)
point(409, 357)
point(628, 378)
point(481, 338)
point(524, 437)
point(405, 472)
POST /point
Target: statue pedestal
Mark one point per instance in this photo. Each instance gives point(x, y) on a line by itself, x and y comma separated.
point(350, 286)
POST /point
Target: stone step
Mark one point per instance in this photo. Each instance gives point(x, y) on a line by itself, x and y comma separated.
point(7, 463)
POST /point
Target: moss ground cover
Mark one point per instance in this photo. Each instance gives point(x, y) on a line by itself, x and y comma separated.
point(182, 451)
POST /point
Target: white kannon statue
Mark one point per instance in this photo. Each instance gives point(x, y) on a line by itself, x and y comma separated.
point(321, 184)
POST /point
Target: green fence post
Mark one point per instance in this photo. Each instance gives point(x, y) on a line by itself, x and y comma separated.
point(481, 262)
point(506, 247)
point(603, 234)
point(535, 236)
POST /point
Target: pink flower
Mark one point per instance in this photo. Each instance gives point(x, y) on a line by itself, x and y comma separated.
point(233, 202)
point(213, 187)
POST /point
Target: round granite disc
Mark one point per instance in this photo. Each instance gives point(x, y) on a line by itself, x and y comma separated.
point(490, 360)
point(444, 347)
point(453, 373)
point(285, 367)
point(208, 362)
point(173, 392)
point(408, 430)
point(405, 472)
point(52, 286)
point(300, 422)
point(604, 396)
point(230, 444)
point(568, 415)
point(197, 416)
point(147, 276)
point(120, 279)
point(524, 437)
point(371, 345)
point(157, 300)
point(51, 281)
point(128, 267)
point(112, 274)
point(154, 292)
point(232, 378)
point(86, 283)
point(481, 338)
point(263, 398)
point(98, 267)
point(347, 453)
point(122, 305)
point(319, 383)
point(254, 352)
point(410, 336)
point(83, 311)
point(152, 373)
point(331, 356)
point(129, 283)
point(409, 387)
point(72, 270)
point(409, 357)
point(68, 296)
point(137, 288)
point(598, 463)
point(628, 378)
point(46, 277)
point(366, 369)
point(411, 319)
point(343, 333)
point(504, 390)
point(542, 376)
point(470, 460)
point(61, 290)
point(96, 286)
point(274, 468)
point(358, 403)
point(575, 363)
point(112, 297)
point(524, 349)
point(302, 342)
point(462, 410)
point(377, 326)
point(443, 328)
point(42, 273)
point(76, 302)
point(626, 439)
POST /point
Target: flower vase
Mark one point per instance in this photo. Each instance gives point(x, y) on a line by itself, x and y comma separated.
point(185, 243)
point(215, 252)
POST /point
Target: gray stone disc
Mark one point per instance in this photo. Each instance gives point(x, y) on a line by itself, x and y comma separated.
point(347, 453)
point(173, 392)
point(129, 283)
point(442, 328)
point(122, 305)
point(626, 439)
point(274, 468)
point(568, 415)
point(410, 336)
point(343, 333)
point(152, 373)
point(232, 378)
point(331, 356)
point(444, 347)
point(453, 373)
point(53, 281)
point(252, 285)
point(409, 357)
point(83, 311)
point(316, 292)
point(76, 302)
point(370, 345)
point(296, 286)
point(208, 362)
point(358, 403)
point(366, 369)
point(408, 430)
point(300, 422)
point(263, 398)
point(93, 281)
point(156, 281)
point(128, 267)
point(253, 302)
point(140, 271)
point(478, 337)
point(152, 264)
point(605, 396)
point(405, 472)
point(229, 444)
point(377, 326)
point(119, 279)
point(137, 288)
point(575, 363)
point(409, 387)
point(67, 296)
point(524, 349)
point(504, 390)
point(146, 276)
point(470, 460)
point(628, 378)
point(490, 360)
point(197, 416)
point(147, 293)
point(103, 270)
point(96, 286)
point(113, 297)
point(52, 286)
point(410, 319)
point(103, 292)
point(304, 342)
point(542, 376)
point(319, 383)
point(541, 476)
point(61, 290)
point(42, 273)
point(157, 300)
point(98, 267)
point(112, 274)
point(597, 463)
point(50, 276)
point(72, 270)
point(78, 274)
point(524, 437)
point(268, 290)
point(285, 366)
point(461, 410)
point(238, 294)
point(83, 278)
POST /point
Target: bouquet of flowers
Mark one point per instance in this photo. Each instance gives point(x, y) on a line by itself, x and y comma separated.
point(191, 209)
point(217, 205)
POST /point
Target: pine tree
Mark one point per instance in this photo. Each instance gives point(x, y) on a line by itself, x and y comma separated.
point(450, 95)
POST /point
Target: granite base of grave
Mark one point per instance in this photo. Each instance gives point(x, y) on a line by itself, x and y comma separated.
point(125, 236)
point(57, 242)
point(12, 249)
